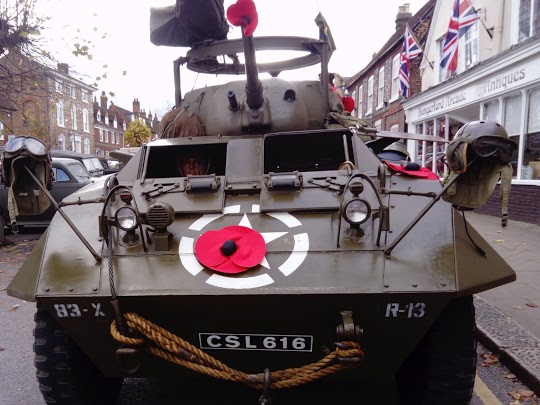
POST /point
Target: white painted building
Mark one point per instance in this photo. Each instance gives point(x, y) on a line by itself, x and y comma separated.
point(498, 78)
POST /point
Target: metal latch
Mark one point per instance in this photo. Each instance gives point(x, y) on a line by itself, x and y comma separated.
point(328, 182)
point(284, 180)
point(204, 183)
point(159, 190)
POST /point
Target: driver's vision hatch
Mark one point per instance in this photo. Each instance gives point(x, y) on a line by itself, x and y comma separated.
point(312, 151)
point(163, 161)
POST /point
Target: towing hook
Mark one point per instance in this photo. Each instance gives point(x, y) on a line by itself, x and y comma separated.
point(347, 329)
point(265, 397)
point(129, 359)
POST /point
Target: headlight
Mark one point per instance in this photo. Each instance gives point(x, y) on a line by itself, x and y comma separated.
point(126, 218)
point(357, 212)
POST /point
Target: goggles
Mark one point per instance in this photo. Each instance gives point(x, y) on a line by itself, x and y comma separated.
point(486, 146)
point(21, 143)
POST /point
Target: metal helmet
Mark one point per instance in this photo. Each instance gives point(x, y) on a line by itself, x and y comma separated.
point(396, 151)
point(482, 139)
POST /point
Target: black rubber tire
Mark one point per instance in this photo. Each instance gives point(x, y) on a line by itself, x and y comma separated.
point(442, 368)
point(65, 374)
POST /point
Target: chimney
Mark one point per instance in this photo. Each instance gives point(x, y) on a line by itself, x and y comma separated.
point(103, 103)
point(403, 15)
point(136, 106)
point(63, 68)
point(143, 113)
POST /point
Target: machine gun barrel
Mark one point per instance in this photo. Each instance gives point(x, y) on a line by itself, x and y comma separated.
point(254, 88)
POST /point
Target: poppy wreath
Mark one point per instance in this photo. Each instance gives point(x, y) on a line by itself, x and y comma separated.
point(232, 249)
point(244, 14)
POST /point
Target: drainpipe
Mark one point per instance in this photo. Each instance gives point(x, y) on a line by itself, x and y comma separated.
point(497, 41)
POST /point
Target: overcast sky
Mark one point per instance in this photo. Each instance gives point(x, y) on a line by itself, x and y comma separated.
point(359, 29)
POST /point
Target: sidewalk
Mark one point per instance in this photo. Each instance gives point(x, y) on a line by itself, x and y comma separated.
point(508, 317)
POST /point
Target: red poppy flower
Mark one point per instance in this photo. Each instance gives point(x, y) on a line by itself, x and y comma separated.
point(232, 249)
point(244, 14)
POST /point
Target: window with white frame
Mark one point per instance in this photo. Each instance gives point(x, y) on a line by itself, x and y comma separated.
point(61, 142)
point(106, 136)
point(84, 96)
point(78, 144)
point(101, 134)
point(471, 42)
point(74, 117)
point(72, 91)
point(360, 108)
point(58, 86)
point(529, 19)
point(98, 116)
point(369, 107)
point(115, 122)
point(87, 146)
point(106, 118)
point(380, 91)
point(394, 128)
point(441, 72)
point(60, 114)
point(395, 76)
point(1, 131)
point(124, 125)
point(512, 114)
point(118, 139)
point(86, 124)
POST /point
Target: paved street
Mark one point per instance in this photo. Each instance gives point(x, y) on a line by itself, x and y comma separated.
point(18, 385)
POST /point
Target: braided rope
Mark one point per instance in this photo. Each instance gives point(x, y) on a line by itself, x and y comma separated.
point(176, 350)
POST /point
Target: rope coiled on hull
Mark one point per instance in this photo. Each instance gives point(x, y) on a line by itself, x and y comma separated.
point(170, 347)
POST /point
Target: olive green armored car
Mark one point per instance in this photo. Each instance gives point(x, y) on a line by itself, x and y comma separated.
point(261, 241)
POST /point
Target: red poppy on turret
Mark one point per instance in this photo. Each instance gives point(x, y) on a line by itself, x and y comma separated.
point(232, 249)
point(243, 14)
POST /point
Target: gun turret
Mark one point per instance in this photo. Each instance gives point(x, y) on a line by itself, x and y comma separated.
point(254, 88)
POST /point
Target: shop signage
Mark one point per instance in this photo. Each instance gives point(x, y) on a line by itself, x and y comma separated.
point(483, 89)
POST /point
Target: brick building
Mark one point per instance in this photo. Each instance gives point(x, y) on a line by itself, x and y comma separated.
point(376, 88)
point(49, 104)
point(111, 122)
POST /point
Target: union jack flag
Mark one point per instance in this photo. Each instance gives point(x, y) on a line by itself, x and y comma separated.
point(463, 17)
point(410, 51)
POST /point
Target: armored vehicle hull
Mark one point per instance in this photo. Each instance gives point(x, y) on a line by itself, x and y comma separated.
point(292, 253)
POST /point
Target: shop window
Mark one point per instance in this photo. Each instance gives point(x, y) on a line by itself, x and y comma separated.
point(512, 123)
point(491, 111)
point(531, 156)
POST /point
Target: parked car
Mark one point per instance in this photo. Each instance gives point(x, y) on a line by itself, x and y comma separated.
point(110, 165)
point(92, 163)
point(70, 175)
